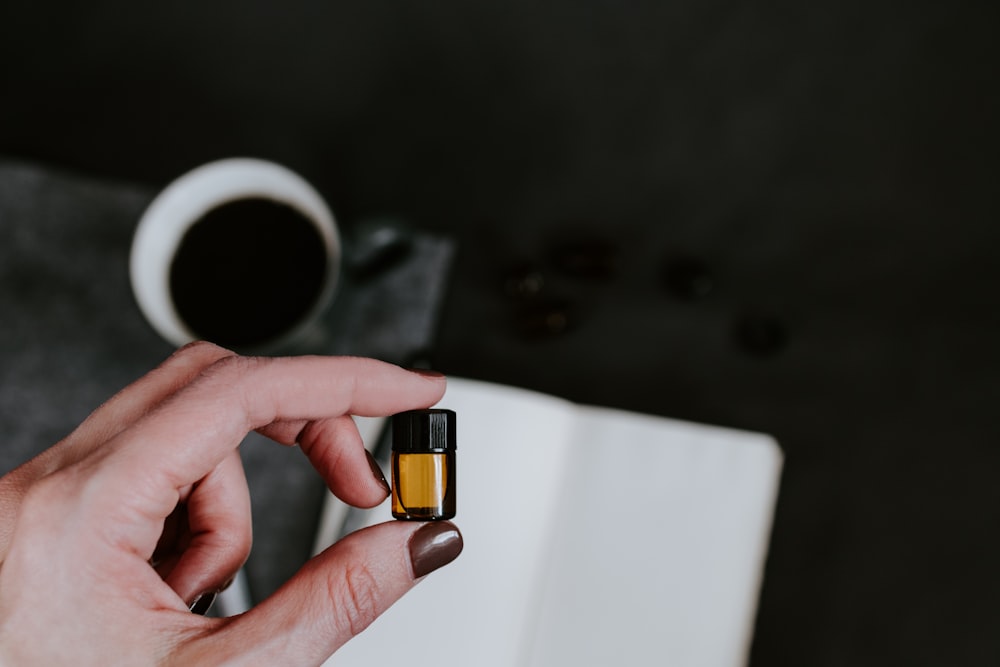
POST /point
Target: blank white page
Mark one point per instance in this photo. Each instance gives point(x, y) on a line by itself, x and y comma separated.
point(658, 552)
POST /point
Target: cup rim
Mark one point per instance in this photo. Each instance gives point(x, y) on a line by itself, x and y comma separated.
point(185, 200)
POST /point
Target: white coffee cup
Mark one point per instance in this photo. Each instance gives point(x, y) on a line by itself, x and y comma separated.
point(224, 226)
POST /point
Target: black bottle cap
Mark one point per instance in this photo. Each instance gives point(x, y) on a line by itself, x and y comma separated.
point(431, 430)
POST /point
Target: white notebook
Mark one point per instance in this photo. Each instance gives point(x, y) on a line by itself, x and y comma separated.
point(592, 537)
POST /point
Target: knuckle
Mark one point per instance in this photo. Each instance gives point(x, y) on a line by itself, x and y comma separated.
point(229, 373)
point(233, 364)
point(317, 436)
point(354, 592)
point(225, 382)
point(48, 498)
point(201, 349)
point(239, 385)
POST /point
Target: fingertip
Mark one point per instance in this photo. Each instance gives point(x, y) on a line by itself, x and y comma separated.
point(432, 546)
point(431, 377)
point(378, 475)
point(337, 451)
point(436, 382)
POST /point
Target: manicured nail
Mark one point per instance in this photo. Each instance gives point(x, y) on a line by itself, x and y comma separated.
point(377, 472)
point(432, 546)
point(203, 603)
point(426, 372)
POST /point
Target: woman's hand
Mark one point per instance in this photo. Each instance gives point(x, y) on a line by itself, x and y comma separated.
point(109, 537)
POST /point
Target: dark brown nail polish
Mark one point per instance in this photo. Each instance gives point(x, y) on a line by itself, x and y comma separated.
point(203, 603)
point(426, 372)
point(377, 471)
point(434, 545)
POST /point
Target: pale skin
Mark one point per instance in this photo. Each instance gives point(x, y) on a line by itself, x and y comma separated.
point(107, 538)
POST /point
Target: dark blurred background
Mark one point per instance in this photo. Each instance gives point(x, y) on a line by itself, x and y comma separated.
point(769, 215)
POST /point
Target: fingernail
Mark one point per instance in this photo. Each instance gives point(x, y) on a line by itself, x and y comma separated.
point(377, 471)
point(203, 603)
point(432, 546)
point(426, 372)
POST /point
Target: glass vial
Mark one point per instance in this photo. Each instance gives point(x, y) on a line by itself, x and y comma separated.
point(423, 465)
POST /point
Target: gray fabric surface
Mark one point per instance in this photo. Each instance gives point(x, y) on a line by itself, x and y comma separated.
point(72, 336)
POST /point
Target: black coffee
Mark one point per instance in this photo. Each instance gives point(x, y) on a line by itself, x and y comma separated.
point(247, 271)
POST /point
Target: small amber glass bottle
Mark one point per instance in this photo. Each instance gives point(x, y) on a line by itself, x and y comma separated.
point(423, 465)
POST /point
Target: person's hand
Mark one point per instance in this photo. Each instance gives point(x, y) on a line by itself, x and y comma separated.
point(109, 537)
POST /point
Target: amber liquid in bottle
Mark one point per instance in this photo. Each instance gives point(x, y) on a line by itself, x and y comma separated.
point(423, 485)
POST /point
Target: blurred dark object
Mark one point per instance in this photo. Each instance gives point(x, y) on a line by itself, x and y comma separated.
point(585, 258)
point(688, 278)
point(544, 317)
point(376, 246)
point(525, 281)
point(760, 334)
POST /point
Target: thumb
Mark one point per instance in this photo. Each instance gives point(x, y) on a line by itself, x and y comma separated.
point(335, 595)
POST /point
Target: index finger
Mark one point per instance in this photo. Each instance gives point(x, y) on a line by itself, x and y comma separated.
point(189, 434)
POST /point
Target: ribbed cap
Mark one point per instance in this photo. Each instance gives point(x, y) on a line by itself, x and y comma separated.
point(423, 431)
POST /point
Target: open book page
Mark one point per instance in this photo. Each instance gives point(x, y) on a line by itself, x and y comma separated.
point(657, 555)
point(592, 537)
